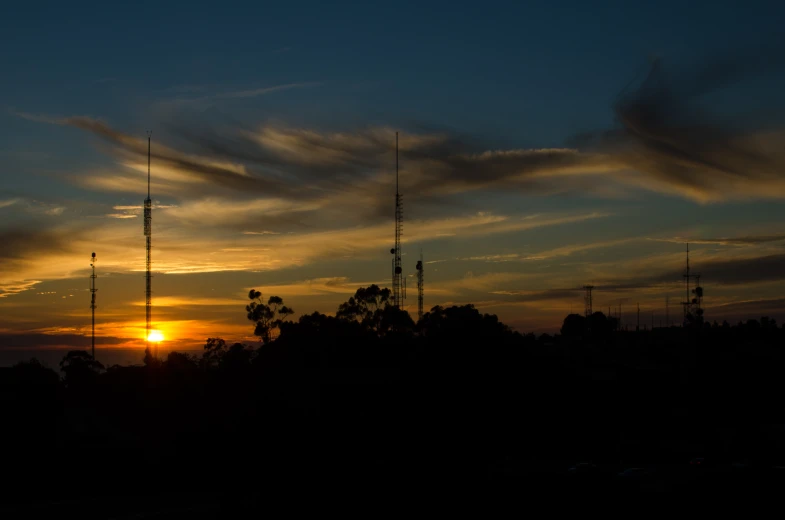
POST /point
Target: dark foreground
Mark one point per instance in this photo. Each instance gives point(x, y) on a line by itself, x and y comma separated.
point(335, 414)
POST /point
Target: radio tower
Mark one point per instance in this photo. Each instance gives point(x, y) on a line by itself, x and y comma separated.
point(587, 310)
point(667, 311)
point(92, 301)
point(396, 251)
point(148, 233)
point(420, 270)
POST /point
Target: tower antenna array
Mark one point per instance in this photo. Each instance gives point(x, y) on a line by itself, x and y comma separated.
point(587, 300)
point(397, 270)
point(420, 272)
point(667, 311)
point(148, 233)
point(693, 305)
point(93, 290)
point(686, 276)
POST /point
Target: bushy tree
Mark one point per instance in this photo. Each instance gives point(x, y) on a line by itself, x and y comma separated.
point(372, 308)
point(214, 350)
point(80, 368)
point(179, 362)
point(34, 372)
point(267, 317)
point(236, 357)
point(150, 361)
point(574, 326)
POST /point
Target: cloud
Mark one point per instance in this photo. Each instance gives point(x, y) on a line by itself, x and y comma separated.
point(749, 308)
point(665, 132)
point(665, 140)
point(727, 241)
point(537, 296)
point(330, 168)
point(551, 253)
point(208, 100)
point(736, 271)
point(34, 340)
point(9, 287)
point(120, 215)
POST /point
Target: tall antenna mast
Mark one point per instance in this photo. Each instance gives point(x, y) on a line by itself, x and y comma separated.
point(667, 311)
point(638, 323)
point(148, 233)
point(420, 272)
point(92, 301)
point(396, 251)
point(686, 303)
point(587, 309)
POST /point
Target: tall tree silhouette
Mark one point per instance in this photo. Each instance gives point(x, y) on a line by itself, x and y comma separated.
point(366, 306)
point(80, 368)
point(214, 350)
point(266, 317)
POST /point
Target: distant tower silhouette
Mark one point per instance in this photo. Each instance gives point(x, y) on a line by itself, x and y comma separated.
point(667, 311)
point(587, 310)
point(420, 273)
point(693, 306)
point(397, 270)
point(686, 276)
point(638, 324)
point(697, 301)
point(93, 290)
point(148, 233)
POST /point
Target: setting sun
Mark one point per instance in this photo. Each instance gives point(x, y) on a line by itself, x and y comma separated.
point(155, 336)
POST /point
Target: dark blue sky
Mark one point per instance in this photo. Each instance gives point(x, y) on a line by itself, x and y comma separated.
point(532, 73)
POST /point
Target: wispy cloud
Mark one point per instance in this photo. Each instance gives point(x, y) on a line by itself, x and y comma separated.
point(209, 99)
point(726, 241)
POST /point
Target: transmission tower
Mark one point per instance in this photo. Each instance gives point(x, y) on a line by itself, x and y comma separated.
point(587, 310)
point(638, 323)
point(693, 305)
point(93, 290)
point(397, 270)
point(667, 311)
point(420, 273)
point(686, 276)
point(148, 233)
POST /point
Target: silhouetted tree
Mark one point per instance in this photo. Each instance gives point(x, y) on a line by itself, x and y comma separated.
point(461, 324)
point(266, 317)
point(391, 318)
point(177, 361)
point(367, 306)
point(80, 368)
point(574, 326)
point(235, 357)
point(33, 372)
point(151, 361)
point(214, 350)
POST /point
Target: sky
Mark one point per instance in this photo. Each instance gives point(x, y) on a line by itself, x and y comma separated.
point(543, 146)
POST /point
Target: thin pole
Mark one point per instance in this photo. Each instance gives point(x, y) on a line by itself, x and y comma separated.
point(148, 231)
point(92, 303)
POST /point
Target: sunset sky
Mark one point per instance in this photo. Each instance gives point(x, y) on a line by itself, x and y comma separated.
point(543, 146)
